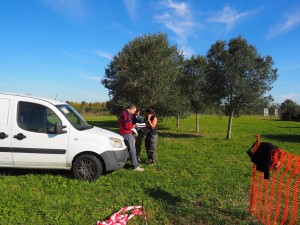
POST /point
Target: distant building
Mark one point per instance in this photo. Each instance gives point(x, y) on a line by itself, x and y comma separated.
point(266, 112)
point(276, 112)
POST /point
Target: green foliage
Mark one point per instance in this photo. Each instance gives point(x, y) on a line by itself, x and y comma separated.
point(146, 73)
point(289, 110)
point(90, 108)
point(197, 180)
point(193, 82)
point(237, 76)
point(257, 106)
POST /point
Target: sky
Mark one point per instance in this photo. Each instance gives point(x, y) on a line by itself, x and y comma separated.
point(60, 49)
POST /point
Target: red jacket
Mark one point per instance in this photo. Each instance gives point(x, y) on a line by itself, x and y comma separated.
point(125, 122)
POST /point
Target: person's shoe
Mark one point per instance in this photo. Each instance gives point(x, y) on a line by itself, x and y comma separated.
point(138, 169)
point(152, 163)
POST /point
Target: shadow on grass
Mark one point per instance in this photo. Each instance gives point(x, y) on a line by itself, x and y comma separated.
point(53, 172)
point(284, 137)
point(159, 194)
point(289, 127)
point(177, 135)
point(112, 125)
point(162, 127)
point(23, 172)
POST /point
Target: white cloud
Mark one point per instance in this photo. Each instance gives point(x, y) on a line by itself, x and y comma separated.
point(88, 77)
point(131, 7)
point(291, 21)
point(123, 29)
point(293, 96)
point(180, 9)
point(100, 53)
point(78, 57)
point(178, 18)
point(76, 8)
point(74, 56)
point(187, 51)
point(228, 16)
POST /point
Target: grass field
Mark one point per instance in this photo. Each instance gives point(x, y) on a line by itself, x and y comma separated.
point(199, 178)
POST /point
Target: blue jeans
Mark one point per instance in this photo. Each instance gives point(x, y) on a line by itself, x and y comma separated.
point(129, 141)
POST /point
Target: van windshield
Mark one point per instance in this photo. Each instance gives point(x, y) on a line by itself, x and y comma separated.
point(74, 117)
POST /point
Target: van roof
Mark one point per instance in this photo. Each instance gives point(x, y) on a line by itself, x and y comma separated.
point(52, 101)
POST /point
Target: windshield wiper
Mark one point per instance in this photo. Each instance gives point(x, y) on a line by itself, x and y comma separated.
point(85, 127)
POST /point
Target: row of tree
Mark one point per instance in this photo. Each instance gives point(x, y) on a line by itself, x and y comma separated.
point(289, 110)
point(148, 71)
point(90, 108)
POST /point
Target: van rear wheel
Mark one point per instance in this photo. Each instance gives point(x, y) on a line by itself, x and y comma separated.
point(87, 167)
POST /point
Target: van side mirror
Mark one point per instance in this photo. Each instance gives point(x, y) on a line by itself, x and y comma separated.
point(58, 128)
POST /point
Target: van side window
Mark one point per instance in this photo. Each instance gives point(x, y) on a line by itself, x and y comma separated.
point(36, 118)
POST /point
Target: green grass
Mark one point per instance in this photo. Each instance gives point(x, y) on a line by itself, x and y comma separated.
point(199, 179)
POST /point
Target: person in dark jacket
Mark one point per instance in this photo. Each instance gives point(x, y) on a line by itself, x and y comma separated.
point(151, 135)
point(138, 119)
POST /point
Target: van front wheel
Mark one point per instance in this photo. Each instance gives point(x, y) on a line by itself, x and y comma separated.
point(87, 167)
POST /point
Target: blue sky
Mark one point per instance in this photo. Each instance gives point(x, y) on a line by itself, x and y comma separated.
point(60, 48)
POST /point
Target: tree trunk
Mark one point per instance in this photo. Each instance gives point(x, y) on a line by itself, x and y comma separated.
point(197, 122)
point(229, 125)
point(177, 121)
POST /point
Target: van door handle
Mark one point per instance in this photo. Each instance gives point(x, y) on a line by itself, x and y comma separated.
point(19, 136)
point(3, 135)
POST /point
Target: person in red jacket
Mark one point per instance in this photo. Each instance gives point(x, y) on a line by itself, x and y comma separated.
point(125, 127)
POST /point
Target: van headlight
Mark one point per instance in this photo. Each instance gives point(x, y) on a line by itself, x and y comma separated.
point(115, 142)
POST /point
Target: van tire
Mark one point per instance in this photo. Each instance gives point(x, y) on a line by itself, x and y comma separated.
point(87, 167)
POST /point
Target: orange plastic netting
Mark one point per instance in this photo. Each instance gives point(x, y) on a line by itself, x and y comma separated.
point(276, 200)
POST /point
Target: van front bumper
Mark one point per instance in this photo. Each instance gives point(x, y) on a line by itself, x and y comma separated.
point(115, 159)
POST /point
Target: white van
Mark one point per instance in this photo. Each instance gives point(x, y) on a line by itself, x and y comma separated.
point(42, 133)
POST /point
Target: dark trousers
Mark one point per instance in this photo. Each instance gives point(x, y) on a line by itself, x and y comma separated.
point(150, 144)
point(138, 143)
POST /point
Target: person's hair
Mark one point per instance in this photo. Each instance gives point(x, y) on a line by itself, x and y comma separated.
point(149, 111)
point(131, 106)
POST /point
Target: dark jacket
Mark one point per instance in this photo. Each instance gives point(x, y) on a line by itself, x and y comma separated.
point(151, 131)
point(262, 157)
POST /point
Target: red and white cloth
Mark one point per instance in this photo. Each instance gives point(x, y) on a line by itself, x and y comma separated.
point(121, 218)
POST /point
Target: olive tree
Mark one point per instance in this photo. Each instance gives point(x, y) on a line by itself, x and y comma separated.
point(146, 72)
point(193, 83)
point(237, 75)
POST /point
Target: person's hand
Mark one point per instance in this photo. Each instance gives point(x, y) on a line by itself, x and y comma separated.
point(149, 116)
